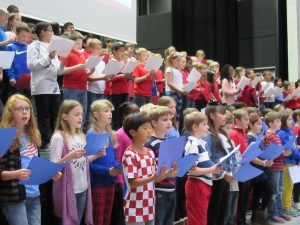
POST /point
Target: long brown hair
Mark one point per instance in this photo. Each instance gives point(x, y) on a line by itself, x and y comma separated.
point(30, 129)
point(212, 109)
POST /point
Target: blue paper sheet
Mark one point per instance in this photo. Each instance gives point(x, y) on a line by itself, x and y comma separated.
point(95, 142)
point(7, 136)
point(272, 152)
point(251, 152)
point(186, 163)
point(170, 151)
point(291, 143)
point(41, 171)
point(247, 172)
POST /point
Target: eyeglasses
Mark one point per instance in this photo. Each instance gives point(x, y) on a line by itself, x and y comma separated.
point(22, 109)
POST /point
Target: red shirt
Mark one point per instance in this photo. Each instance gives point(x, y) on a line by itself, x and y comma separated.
point(143, 88)
point(248, 96)
point(160, 83)
point(274, 138)
point(119, 85)
point(204, 94)
point(78, 78)
point(185, 74)
point(239, 137)
point(292, 103)
point(214, 90)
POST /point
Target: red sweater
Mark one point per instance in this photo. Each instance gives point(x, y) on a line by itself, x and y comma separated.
point(214, 90)
point(160, 83)
point(204, 94)
point(78, 78)
point(143, 88)
point(248, 96)
point(291, 104)
point(274, 138)
point(119, 85)
point(239, 137)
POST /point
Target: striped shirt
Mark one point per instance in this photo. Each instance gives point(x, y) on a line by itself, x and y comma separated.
point(168, 184)
point(274, 138)
point(198, 146)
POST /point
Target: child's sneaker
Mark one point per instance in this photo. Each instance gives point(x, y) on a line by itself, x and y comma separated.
point(294, 212)
point(296, 205)
point(286, 217)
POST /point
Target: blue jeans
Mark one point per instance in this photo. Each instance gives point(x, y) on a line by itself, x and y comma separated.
point(231, 207)
point(276, 183)
point(165, 204)
point(142, 100)
point(78, 95)
point(80, 203)
point(27, 212)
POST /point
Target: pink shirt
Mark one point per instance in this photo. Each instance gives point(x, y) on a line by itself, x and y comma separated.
point(123, 141)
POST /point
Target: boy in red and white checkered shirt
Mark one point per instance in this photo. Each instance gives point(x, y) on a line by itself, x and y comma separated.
point(140, 172)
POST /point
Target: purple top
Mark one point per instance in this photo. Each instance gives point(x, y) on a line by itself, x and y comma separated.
point(64, 199)
point(123, 141)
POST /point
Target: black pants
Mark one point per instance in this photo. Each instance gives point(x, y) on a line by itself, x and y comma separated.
point(142, 100)
point(117, 214)
point(47, 108)
point(117, 100)
point(297, 192)
point(217, 203)
point(244, 188)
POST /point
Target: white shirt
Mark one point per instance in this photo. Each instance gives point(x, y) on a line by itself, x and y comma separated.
point(177, 78)
point(78, 166)
point(97, 87)
point(44, 70)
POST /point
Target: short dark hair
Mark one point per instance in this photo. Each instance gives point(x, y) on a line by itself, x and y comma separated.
point(134, 121)
point(41, 26)
point(116, 46)
point(68, 24)
point(13, 9)
point(55, 27)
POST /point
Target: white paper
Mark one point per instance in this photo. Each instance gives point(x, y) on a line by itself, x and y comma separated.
point(228, 155)
point(189, 87)
point(266, 86)
point(93, 61)
point(154, 63)
point(113, 67)
point(6, 59)
point(203, 110)
point(288, 97)
point(278, 91)
point(61, 45)
point(294, 172)
point(129, 67)
point(194, 76)
point(243, 82)
point(256, 80)
point(270, 92)
point(296, 92)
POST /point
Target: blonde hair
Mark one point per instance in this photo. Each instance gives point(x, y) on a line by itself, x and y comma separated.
point(30, 129)
point(171, 57)
point(139, 51)
point(93, 42)
point(74, 35)
point(200, 53)
point(239, 114)
point(199, 66)
point(214, 64)
point(271, 117)
point(3, 11)
point(188, 111)
point(183, 54)
point(194, 118)
point(147, 107)
point(158, 111)
point(96, 107)
point(209, 62)
point(165, 101)
point(62, 125)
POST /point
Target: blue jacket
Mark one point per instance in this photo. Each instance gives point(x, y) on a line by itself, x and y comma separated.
point(216, 154)
point(3, 38)
point(19, 65)
point(285, 135)
point(99, 168)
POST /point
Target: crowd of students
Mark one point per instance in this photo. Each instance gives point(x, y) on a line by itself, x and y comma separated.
point(121, 184)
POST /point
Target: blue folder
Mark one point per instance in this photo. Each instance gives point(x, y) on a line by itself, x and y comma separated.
point(251, 152)
point(41, 171)
point(170, 151)
point(247, 172)
point(186, 163)
point(95, 142)
point(7, 136)
point(291, 142)
point(272, 152)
